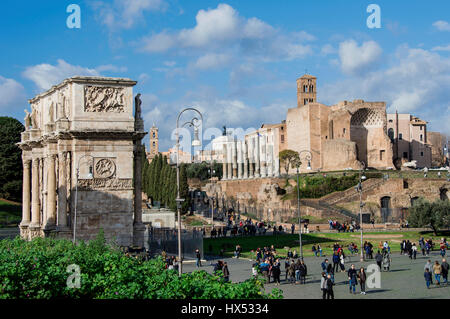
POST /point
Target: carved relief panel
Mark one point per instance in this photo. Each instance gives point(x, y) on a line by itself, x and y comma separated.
point(104, 168)
point(104, 99)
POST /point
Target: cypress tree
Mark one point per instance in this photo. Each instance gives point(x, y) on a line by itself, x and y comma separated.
point(184, 188)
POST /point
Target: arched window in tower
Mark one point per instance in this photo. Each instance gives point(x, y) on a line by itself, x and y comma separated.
point(154, 134)
point(311, 88)
point(391, 134)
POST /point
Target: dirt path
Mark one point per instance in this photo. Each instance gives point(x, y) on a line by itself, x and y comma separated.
point(10, 202)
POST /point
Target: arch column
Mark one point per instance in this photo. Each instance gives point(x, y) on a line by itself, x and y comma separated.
point(224, 162)
point(26, 204)
point(256, 154)
point(51, 194)
point(229, 160)
point(245, 161)
point(35, 204)
point(263, 154)
point(239, 158)
point(62, 192)
point(234, 153)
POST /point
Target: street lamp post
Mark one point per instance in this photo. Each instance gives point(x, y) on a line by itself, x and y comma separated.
point(76, 194)
point(361, 205)
point(179, 200)
point(297, 163)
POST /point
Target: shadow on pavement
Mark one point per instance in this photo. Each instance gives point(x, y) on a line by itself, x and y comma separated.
point(376, 291)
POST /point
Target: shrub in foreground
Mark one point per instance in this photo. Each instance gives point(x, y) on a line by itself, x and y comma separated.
point(38, 269)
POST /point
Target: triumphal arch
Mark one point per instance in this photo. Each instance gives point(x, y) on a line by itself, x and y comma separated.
point(82, 151)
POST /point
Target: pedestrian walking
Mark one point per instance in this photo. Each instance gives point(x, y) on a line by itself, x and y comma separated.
point(330, 284)
point(226, 272)
point(336, 262)
point(287, 264)
point(291, 273)
point(387, 261)
point(442, 247)
point(276, 272)
point(199, 258)
point(414, 251)
point(362, 280)
point(427, 275)
point(303, 272)
point(352, 279)
point(379, 259)
point(323, 285)
point(444, 271)
point(437, 269)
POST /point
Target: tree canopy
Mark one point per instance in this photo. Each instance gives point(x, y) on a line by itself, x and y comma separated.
point(426, 214)
point(202, 170)
point(10, 159)
point(159, 182)
point(287, 158)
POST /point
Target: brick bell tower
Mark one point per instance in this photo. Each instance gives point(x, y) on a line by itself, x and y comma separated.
point(154, 148)
point(306, 90)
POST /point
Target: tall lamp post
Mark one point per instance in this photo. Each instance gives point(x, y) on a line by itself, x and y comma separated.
point(195, 142)
point(212, 172)
point(359, 189)
point(297, 163)
point(76, 192)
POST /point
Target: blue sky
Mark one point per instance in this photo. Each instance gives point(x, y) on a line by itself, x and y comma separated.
point(237, 61)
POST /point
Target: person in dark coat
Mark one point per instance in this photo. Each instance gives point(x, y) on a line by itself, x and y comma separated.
point(198, 257)
point(287, 264)
point(444, 271)
point(427, 276)
point(352, 279)
point(362, 280)
point(336, 262)
point(226, 272)
point(303, 272)
point(379, 259)
point(276, 272)
point(330, 284)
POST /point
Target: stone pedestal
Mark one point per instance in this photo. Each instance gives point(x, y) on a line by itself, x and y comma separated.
point(50, 127)
point(62, 125)
point(35, 134)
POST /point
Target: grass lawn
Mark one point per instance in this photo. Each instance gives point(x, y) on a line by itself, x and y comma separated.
point(10, 211)
point(283, 242)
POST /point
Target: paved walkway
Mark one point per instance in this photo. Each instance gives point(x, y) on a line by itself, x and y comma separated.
point(405, 280)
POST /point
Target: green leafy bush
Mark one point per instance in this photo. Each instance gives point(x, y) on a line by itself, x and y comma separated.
point(38, 269)
point(316, 187)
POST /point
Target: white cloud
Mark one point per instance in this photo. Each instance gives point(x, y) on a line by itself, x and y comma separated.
point(11, 93)
point(223, 29)
point(358, 59)
point(442, 25)
point(328, 49)
point(170, 63)
point(441, 48)
point(111, 68)
point(417, 81)
point(46, 75)
point(125, 14)
point(211, 61)
point(217, 111)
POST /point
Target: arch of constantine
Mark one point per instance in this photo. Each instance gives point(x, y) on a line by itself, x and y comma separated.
point(81, 150)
